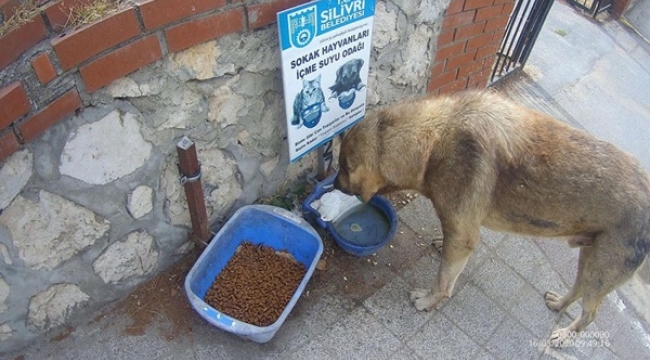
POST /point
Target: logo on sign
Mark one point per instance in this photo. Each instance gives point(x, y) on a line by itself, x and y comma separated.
point(302, 26)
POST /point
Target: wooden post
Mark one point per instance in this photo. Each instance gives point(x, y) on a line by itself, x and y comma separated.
point(190, 169)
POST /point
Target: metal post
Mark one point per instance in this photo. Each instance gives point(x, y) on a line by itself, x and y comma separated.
point(325, 158)
point(190, 169)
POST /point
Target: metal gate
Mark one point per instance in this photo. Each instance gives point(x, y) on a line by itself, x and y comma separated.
point(524, 26)
point(592, 7)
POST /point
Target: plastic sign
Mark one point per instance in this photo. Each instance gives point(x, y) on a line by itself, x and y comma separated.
point(325, 48)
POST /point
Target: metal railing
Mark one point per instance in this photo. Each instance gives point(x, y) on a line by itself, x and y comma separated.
point(592, 7)
point(522, 30)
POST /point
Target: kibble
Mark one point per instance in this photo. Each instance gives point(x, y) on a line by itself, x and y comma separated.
point(256, 284)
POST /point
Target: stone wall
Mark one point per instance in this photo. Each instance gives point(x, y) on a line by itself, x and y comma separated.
point(90, 202)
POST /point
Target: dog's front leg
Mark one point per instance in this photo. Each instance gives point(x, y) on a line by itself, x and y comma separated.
point(457, 247)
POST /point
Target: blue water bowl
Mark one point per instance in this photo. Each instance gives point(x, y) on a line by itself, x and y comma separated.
point(311, 115)
point(346, 99)
point(261, 225)
point(361, 231)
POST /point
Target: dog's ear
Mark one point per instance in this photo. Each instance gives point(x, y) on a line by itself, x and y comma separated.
point(359, 64)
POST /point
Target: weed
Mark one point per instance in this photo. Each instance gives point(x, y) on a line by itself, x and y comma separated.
point(23, 14)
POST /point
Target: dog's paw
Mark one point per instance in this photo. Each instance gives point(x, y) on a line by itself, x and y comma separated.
point(437, 244)
point(423, 299)
point(419, 293)
point(559, 338)
point(553, 300)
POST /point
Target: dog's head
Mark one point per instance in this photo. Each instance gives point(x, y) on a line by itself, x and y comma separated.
point(349, 72)
point(359, 172)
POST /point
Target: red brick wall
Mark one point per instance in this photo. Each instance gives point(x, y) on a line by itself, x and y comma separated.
point(145, 32)
point(470, 36)
point(104, 51)
point(619, 7)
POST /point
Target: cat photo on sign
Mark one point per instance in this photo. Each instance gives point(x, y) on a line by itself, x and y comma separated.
point(309, 104)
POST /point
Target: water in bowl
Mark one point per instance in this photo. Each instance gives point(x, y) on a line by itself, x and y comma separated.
point(364, 225)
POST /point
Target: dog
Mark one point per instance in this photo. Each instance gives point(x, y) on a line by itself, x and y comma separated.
point(484, 160)
point(348, 77)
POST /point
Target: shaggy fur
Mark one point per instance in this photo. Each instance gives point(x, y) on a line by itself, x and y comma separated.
point(484, 160)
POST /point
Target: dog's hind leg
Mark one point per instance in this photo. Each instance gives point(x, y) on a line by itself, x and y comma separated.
point(603, 268)
point(555, 301)
point(458, 245)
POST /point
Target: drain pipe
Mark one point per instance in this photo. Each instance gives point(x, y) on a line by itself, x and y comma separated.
point(190, 170)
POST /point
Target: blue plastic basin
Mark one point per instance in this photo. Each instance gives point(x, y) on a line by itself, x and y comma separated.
point(380, 204)
point(259, 224)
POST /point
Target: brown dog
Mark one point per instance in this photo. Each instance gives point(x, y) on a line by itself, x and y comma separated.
point(484, 160)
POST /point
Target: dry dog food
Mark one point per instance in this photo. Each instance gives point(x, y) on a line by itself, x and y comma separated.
point(256, 285)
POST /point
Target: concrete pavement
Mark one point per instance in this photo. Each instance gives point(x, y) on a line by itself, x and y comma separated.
point(596, 77)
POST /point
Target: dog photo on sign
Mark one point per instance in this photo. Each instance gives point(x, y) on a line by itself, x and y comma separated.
point(348, 77)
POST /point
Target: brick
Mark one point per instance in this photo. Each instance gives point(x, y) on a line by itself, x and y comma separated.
point(17, 41)
point(450, 51)
point(455, 20)
point(437, 68)
point(471, 68)
point(469, 31)
point(455, 6)
point(50, 115)
point(8, 144)
point(154, 16)
point(507, 8)
point(477, 4)
point(488, 12)
point(481, 78)
point(496, 23)
point(58, 12)
point(264, 14)
point(456, 85)
point(479, 41)
point(120, 62)
point(194, 32)
point(43, 68)
point(8, 8)
point(488, 63)
point(460, 60)
point(14, 103)
point(438, 82)
point(488, 50)
point(446, 37)
point(81, 44)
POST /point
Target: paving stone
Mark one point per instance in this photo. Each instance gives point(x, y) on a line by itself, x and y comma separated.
point(513, 341)
point(561, 257)
point(568, 353)
point(420, 216)
point(474, 313)
point(531, 311)
point(350, 338)
point(629, 340)
point(405, 353)
point(440, 338)
point(393, 308)
point(404, 249)
point(498, 281)
point(423, 273)
point(311, 317)
point(521, 254)
point(490, 237)
point(545, 278)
